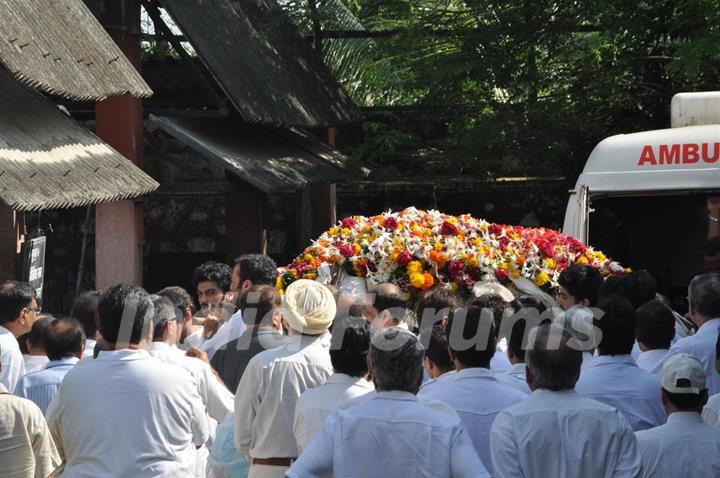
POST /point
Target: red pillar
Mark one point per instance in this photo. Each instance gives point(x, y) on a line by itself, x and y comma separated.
point(119, 225)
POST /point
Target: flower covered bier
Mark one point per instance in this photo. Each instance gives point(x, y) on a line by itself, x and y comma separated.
point(419, 250)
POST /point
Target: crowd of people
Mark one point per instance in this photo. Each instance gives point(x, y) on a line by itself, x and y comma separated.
point(604, 380)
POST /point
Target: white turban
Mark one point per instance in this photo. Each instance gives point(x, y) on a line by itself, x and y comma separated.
point(309, 307)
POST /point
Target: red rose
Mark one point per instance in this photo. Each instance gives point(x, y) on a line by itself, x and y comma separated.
point(390, 223)
point(346, 250)
point(448, 229)
point(495, 229)
point(503, 242)
point(455, 267)
point(349, 222)
point(404, 258)
point(501, 274)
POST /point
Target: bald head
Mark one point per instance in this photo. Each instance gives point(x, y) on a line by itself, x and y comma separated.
point(64, 337)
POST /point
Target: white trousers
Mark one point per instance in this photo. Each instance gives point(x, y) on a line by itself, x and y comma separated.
point(267, 471)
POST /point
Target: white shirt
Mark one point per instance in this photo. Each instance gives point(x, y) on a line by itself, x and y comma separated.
point(41, 386)
point(711, 412)
point(562, 434)
point(390, 434)
point(652, 360)
point(193, 340)
point(684, 446)
point(500, 363)
point(477, 396)
point(33, 363)
point(217, 398)
point(619, 382)
point(233, 328)
point(435, 382)
point(13, 365)
point(127, 414)
point(702, 345)
point(89, 347)
point(515, 377)
point(316, 404)
point(268, 391)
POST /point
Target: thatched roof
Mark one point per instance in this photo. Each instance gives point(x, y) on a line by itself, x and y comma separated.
point(271, 159)
point(59, 47)
point(270, 73)
point(48, 161)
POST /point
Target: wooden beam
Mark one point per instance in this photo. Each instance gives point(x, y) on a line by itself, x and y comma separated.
point(244, 227)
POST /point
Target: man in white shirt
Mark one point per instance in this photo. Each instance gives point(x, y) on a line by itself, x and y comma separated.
point(64, 340)
point(386, 307)
point(274, 379)
point(34, 342)
point(654, 332)
point(18, 312)
point(392, 432)
point(614, 377)
point(437, 363)
point(474, 392)
point(684, 446)
point(555, 431)
point(348, 354)
point(126, 413)
point(704, 303)
point(84, 309)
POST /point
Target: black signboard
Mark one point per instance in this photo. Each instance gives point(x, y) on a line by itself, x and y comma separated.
point(33, 269)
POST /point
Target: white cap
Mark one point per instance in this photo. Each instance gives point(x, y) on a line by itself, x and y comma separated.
point(683, 373)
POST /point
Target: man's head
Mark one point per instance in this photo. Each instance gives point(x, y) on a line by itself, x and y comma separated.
point(683, 384)
point(35, 339)
point(638, 287)
point(654, 326)
point(260, 306)
point(308, 307)
point(64, 337)
point(579, 285)
point(711, 254)
point(84, 309)
point(551, 363)
point(386, 306)
point(165, 319)
point(183, 302)
point(433, 307)
point(125, 316)
point(253, 269)
point(471, 337)
point(498, 307)
point(617, 325)
point(211, 280)
point(349, 347)
point(437, 357)
point(18, 307)
point(395, 360)
point(704, 298)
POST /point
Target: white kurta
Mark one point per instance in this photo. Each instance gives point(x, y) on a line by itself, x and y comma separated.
point(562, 434)
point(435, 382)
point(390, 434)
point(127, 414)
point(652, 360)
point(34, 363)
point(477, 396)
point(268, 392)
point(702, 345)
point(683, 447)
point(711, 412)
point(515, 376)
point(316, 404)
point(13, 365)
point(619, 382)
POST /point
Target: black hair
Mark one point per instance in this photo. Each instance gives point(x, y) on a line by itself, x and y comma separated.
point(84, 309)
point(435, 301)
point(349, 347)
point(471, 336)
point(258, 302)
point(617, 325)
point(211, 271)
point(638, 287)
point(390, 302)
point(38, 332)
point(123, 299)
point(497, 306)
point(712, 247)
point(14, 297)
point(655, 325)
point(64, 337)
point(163, 312)
point(686, 401)
point(582, 281)
point(180, 298)
point(437, 347)
point(531, 302)
point(258, 268)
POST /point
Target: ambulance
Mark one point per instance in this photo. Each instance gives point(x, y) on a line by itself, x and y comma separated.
point(641, 197)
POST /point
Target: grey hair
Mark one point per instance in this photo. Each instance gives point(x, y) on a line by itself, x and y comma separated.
point(163, 312)
point(553, 363)
point(396, 356)
point(704, 294)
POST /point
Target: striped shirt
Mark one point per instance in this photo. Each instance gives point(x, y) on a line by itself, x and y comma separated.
point(41, 386)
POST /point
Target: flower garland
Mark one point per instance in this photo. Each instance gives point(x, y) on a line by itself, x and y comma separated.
point(419, 250)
